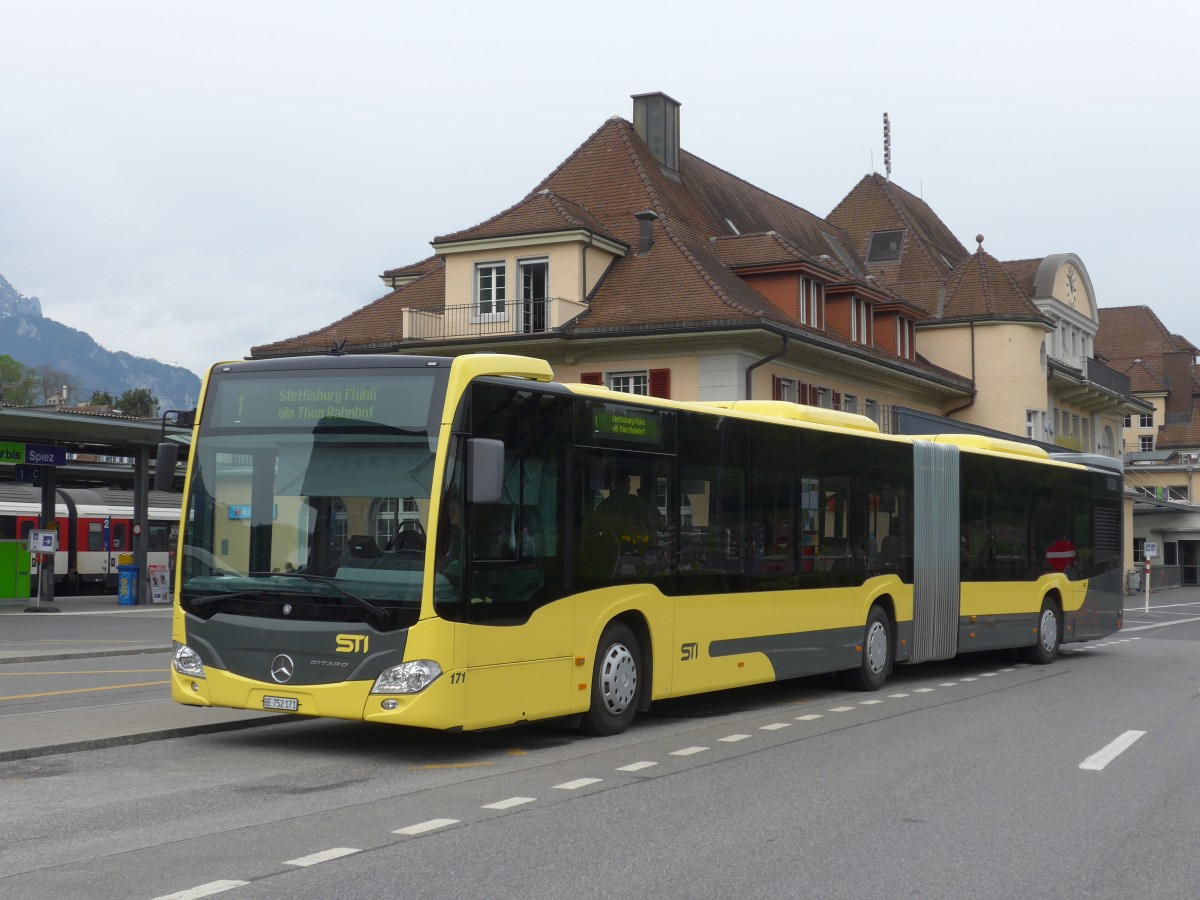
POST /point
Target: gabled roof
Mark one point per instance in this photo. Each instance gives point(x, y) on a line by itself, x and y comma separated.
point(929, 251)
point(1143, 379)
point(981, 287)
point(539, 213)
point(1128, 333)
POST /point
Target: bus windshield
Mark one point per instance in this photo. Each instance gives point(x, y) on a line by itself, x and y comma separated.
point(314, 490)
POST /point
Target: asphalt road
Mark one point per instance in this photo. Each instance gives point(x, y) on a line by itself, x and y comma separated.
point(977, 777)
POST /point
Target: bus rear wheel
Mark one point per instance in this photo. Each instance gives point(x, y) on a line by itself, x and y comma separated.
point(1049, 636)
point(616, 682)
point(876, 663)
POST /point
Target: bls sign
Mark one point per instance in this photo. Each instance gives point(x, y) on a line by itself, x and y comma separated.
point(351, 643)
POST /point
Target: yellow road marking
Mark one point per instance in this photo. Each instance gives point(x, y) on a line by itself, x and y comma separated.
point(115, 687)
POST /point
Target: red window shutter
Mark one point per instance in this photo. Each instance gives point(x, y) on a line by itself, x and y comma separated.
point(802, 393)
point(660, 383)
point(592, 378)
point(776, 387)
point(837, 399)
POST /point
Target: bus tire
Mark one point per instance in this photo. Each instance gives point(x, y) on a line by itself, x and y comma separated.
point(1049, 636)
point(616, 682)
point(876, 663)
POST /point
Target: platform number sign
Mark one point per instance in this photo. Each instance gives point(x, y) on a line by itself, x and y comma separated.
point(1150, 550)
point(42, 540)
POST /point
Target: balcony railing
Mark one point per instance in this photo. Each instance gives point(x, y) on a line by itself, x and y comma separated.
point(1101, 375)
point(529, 316)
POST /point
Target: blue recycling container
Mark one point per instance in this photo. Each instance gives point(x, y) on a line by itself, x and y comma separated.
point(127, 579)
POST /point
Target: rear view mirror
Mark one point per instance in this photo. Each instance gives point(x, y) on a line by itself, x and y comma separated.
point(485, 470)
point(164, 466)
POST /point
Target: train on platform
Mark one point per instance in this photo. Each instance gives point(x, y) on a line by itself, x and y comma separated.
point(95, 530)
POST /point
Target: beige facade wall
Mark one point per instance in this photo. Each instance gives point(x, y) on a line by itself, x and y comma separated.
point(574, 269)
point(1008, 377)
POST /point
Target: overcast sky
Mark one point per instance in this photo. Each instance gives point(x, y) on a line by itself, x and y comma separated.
point(184, 182)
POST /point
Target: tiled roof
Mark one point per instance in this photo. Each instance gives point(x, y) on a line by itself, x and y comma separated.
point(1023, 272)
point(1143, 379)
point(1135, 332)
point(929, 252)
point(981, 287)
point(540, 212)
point(1181, 435)
point(377, 322)
point(424, 266)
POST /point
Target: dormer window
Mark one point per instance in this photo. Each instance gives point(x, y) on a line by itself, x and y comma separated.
point(860, 321)
point(812, 302)
point(885, 246)
point(904, 338)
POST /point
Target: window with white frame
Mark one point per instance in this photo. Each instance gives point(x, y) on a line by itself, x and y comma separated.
point(630, 382)
point(1129, 421)
point(860, 321)
point(490, 289)
point(849, 403)
point(787, 390)
point(1035, 424)
point(1146, 420)
point(1146, 443)
point(811, 295)
point(824, 398)
point(904, 338)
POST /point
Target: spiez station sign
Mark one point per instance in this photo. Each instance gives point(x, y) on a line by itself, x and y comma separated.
point(32, 454)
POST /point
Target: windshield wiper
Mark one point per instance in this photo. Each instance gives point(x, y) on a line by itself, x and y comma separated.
point(375, 611)
point(209, 599)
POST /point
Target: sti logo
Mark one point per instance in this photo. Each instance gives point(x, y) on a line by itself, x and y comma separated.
point(351, 643)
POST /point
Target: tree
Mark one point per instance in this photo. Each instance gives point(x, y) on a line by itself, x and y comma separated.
point(52, 382)
point(102, 398)
point(16, 383)
point(138, 402)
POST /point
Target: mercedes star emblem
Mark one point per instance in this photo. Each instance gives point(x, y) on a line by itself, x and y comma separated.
point(282, 668)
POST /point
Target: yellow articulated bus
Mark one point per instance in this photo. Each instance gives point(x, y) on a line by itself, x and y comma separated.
point(463, 543)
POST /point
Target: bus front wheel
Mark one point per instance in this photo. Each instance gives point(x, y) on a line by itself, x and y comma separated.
point(1049, 635)
point(876, 663)
point(616, 682)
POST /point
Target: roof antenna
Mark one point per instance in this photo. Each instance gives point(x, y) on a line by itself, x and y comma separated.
point(339, 348)
point(887, 147)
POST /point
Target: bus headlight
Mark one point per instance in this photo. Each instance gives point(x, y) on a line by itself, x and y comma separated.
point(187, 661)
point(407, 678)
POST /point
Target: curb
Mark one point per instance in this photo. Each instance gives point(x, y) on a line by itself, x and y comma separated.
point(82, 654)
point(126, 740)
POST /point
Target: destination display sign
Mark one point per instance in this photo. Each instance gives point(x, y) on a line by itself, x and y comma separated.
point(32, 454)
point(627, 424)
point(398, 399)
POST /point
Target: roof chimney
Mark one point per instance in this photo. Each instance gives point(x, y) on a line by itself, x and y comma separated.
point(656, 120)
point(646, 232)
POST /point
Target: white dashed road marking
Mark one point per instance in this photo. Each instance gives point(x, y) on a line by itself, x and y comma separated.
point(688, 751)
point(1102, 758)
point(204, 890)
point(808, 718)
point(637, 766)
point(509, 803)
point(324, 856)
point(422, 827)
point(734, 738)
point(577, 783)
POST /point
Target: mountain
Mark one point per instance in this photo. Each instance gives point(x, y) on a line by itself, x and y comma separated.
point(33, 340)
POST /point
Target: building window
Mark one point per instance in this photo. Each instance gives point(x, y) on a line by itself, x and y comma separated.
point(824, 398)
point(849, 403)
point(1139, 545)
point(785, 389)
point(811, 297)
point(904, 338)
point(1146, 420)
point(1170, 553)
point(630, 382)
point(1146, 443)
point(1129, 421)
point(885, 246)
point(860, 321)
point(1035, 424)
point(489, 289)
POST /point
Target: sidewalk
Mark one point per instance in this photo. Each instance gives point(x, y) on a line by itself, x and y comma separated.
point(91, 628)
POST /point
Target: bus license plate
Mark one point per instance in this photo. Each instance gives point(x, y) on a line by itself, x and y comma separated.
point(291, 704)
